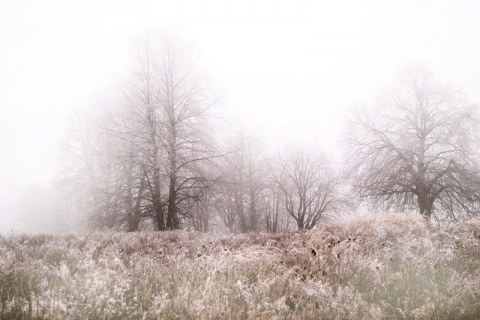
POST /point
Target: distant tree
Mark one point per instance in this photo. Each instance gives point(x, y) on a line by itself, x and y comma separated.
point(79, 173)
point(199, 211)
point(224, 204)
point(310, 186)
point(417, 148)
point(273, 207)
point(243, 178)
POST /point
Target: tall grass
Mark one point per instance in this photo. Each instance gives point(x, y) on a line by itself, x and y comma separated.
point(392, 266)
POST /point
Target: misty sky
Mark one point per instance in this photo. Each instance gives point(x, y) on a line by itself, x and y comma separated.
point(296, 65)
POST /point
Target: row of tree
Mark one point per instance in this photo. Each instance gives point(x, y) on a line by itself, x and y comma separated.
point(154, 157)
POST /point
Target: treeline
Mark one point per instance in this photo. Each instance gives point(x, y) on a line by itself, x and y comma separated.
point(156, 156)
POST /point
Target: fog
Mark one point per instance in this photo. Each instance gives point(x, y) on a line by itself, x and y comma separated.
point(293, 68)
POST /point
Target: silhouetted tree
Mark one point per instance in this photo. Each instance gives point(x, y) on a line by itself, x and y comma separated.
point(417, 148)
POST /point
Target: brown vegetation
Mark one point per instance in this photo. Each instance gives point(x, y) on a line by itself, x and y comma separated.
point(372, 267)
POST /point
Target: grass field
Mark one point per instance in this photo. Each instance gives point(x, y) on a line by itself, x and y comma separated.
point(384, 267)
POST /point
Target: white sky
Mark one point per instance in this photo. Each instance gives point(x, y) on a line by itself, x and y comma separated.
point(294, 64)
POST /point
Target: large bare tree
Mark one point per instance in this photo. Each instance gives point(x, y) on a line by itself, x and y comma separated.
point(147, 154)
point(416, 148)
point(169, 103)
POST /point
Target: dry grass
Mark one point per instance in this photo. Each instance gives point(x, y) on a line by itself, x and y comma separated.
point(385, 267)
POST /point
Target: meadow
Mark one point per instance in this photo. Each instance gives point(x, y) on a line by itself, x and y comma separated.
point(372, 267)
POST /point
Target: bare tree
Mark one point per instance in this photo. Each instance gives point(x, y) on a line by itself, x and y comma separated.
point(185, 104)
point(145, 156)
point(273, 207)
point(224, 204)
point(416, 149)
point(310, 186)
point(86, 170)
point(170, 130)
point(243, 178)
point(102, 169)
point(199, 211)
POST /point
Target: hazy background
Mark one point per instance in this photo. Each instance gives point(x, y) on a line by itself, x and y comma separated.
point(294, 65)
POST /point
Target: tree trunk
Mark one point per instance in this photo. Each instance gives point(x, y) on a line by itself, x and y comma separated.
point(172, 218)
point(239, 209)
point(205, 218)
point(425, 205)
point(157, 201)
point(129, 204)
point(300, 224)
point(134, 211)
point(134, 222)
point(253, 210)
point(159, 216)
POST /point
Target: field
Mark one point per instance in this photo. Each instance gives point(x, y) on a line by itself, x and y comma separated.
point(373, 267)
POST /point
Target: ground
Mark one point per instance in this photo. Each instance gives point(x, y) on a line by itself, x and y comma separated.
point(373, 267)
